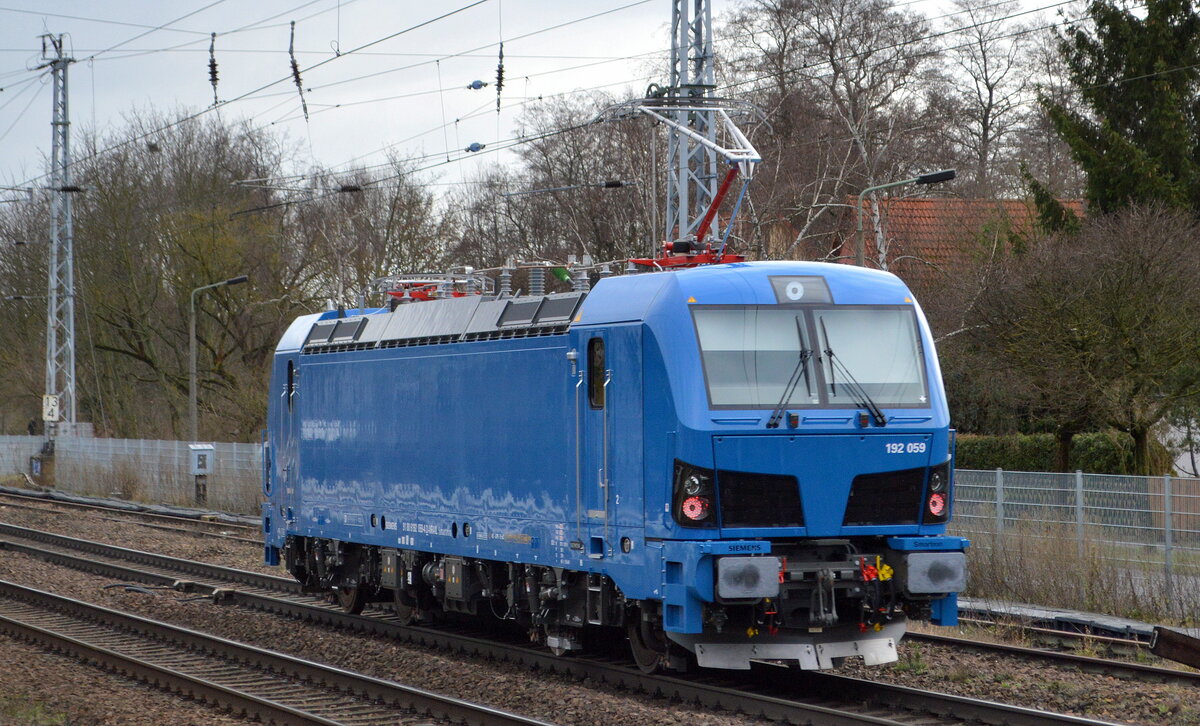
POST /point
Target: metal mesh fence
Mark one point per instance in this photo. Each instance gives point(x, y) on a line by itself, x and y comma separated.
point(1096, 537)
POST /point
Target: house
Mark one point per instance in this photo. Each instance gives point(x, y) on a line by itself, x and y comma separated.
point(927, 237)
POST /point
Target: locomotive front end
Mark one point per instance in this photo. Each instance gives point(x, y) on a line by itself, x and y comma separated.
point(811, 475)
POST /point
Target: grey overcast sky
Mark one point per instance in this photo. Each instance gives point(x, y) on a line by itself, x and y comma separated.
point(408, 93)
point(359, 103)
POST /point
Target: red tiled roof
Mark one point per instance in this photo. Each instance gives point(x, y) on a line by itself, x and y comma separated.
point(942, 233)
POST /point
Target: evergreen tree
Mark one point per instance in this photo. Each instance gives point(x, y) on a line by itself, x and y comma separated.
point(1136, 127)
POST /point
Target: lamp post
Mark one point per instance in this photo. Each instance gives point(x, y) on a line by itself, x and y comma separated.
point(192, 416)
point(933, 177)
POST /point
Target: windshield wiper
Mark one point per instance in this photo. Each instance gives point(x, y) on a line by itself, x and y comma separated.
point(800, 371)
point(835, 362)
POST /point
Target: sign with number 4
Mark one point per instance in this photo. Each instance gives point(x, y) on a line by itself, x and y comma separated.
point(50, 407)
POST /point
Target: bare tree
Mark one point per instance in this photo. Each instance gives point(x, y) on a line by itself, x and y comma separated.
point(846, 86)
point(555, 203)
point(991, 91)
point(164, 215)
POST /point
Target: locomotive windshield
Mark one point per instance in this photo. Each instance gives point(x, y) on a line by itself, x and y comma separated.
point(749, 354)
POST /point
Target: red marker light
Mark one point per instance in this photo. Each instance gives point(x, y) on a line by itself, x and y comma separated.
point(937, 504)
point(696, 508)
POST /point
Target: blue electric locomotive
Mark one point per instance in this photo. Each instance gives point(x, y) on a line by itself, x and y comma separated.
point(740, 461)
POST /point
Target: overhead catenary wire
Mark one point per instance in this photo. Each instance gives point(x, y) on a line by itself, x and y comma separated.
point(745, 82)
point(495, 147)
point(256, 91)
point(247, 94)
point(36, 95)
point(157, 28)
point(187, 46)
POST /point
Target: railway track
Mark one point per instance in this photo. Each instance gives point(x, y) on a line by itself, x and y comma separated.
point(1127, 646)
point(1102, 666)
point(258, 683)
point(166, 522)
point(771, 692)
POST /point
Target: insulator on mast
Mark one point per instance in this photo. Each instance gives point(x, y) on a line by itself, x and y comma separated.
point(506, 275)
point(579, 280)
point(537, 281)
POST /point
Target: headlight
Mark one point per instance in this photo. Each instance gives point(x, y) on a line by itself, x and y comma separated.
point(697, 509)
point(937, 495)
point(937, 504)
point(693, 502)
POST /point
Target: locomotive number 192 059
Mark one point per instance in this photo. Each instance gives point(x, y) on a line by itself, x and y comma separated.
point(913, 447)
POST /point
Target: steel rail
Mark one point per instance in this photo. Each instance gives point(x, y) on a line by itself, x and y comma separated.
point(710, 688)
point(150, 559)
point(335, 694)
point(1102, 666)
point(200, 525)
point(151, 525)
point(381, 623)
point(1068, 638)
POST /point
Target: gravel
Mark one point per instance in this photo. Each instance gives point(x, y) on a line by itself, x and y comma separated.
point(43, 688)
point(547, 696)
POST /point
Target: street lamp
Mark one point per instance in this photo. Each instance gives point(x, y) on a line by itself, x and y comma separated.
point(192, 416)
point(933, 177)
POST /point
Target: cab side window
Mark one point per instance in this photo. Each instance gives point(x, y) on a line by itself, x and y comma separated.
point(291, 384)
point(596, 372)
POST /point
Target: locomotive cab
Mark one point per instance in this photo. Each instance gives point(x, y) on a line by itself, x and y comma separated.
point(809, 464)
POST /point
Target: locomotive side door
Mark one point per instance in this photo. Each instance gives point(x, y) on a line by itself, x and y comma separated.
point(594, 476)
point(287, 453)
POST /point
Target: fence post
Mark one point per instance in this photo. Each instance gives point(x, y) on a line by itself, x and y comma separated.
point(999, 500)
point(1079, 512)
point(1167, 541)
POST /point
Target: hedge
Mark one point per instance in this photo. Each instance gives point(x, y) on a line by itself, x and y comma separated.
point(1104, 452)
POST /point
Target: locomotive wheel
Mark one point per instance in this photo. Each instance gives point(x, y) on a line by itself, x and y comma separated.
point(351, 599)
point(406, 613)
point(649, 649)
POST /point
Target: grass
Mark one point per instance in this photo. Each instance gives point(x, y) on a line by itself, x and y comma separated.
point(1043, 563)
point(912, 661)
